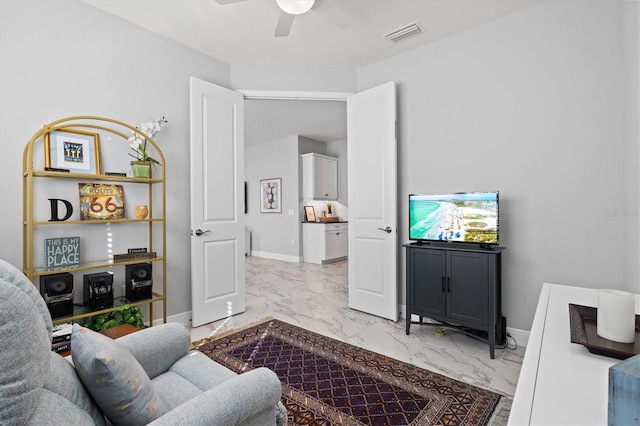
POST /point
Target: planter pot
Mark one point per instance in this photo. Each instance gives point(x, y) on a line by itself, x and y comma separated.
point(141, 169)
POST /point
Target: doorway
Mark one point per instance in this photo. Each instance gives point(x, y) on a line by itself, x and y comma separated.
point(272, 124)
point(372, 164)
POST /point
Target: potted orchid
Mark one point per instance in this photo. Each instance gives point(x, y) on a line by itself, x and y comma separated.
point(138, 142)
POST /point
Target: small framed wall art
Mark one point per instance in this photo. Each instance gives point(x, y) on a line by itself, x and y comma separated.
point(309, 214)
point(72, 150)
point(271, 195)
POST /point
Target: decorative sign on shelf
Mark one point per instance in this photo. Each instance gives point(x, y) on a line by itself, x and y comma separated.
point(137, 250)
point(55, 169)
point(61, 253)
point(101, 201)
point(133, 256)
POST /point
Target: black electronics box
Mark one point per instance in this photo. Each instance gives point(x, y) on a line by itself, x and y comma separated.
point(139, 281)
point(98, 290)
point(57, 291)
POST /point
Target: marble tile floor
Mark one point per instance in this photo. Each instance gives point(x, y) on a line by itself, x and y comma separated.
point(315, 297)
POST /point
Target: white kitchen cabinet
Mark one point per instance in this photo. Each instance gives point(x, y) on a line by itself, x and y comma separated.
point(324, 242)
point(319, 177)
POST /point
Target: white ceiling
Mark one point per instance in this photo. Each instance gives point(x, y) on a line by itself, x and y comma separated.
point(334, 34)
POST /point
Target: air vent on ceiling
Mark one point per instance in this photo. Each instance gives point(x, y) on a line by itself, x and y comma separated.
point(403, 33)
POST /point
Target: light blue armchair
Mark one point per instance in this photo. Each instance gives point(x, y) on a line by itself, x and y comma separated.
point(38, 386)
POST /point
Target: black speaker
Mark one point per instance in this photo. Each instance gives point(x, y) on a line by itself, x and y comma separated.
point(98, 290)
point(139, 282)
point(57, 291)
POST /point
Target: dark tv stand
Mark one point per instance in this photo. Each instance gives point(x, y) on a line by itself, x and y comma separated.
point(458, 287)
point(448, 244)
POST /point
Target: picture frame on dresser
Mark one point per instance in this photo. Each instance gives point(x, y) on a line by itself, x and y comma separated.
point(77, 151)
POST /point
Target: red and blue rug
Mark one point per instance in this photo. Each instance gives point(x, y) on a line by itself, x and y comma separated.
point(328, 382)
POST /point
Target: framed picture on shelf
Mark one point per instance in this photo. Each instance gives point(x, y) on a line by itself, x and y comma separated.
point(309, 214)
point(271, 195)
point(73, 150)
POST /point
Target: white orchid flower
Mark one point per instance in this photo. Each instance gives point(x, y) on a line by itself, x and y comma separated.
point(138, 139)
point(135, 144)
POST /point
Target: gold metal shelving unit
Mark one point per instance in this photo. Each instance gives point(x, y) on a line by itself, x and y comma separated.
point(117, 130)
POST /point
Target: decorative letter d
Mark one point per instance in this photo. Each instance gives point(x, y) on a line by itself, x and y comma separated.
point(54, 210)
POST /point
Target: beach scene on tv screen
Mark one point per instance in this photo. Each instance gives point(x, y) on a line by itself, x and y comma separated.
point(471, 217)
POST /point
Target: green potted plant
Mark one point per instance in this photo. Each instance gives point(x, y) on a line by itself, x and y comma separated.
point(125, 314)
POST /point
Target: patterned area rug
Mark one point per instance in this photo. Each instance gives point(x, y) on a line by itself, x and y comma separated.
point(327, 382)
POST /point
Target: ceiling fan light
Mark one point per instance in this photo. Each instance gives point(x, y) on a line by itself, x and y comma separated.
point(295, 7)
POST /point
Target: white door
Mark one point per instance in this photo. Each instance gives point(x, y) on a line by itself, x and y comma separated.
point(217, 214)
point(371, 159)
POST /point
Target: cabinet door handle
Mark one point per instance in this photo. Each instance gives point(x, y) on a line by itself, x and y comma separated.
point(448, 284)
point(443, 284)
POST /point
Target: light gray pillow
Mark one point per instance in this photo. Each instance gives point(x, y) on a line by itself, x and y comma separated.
point(115, 379)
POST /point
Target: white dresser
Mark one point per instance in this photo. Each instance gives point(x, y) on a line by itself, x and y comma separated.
point(561, 383)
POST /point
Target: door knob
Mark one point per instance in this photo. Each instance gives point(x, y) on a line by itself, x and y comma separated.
point(200, 232)
point(387, 229)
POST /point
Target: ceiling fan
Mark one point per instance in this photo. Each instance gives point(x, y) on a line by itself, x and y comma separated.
point(289, 9)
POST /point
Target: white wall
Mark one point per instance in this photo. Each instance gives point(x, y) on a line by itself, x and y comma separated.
point(631, 146)
point(530, 105)
point(65, 58)
point(295, 79)
point(274, 235)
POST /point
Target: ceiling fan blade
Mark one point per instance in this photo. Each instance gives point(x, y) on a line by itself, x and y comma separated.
point(283, 27)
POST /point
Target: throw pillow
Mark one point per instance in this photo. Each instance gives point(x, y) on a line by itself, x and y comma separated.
point(115, 379)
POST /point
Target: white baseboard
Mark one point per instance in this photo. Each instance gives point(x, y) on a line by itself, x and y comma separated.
point(520, 336)
point(276, 256)
point(183, 318)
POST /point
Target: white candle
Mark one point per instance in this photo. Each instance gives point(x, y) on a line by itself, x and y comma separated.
point(617, 315)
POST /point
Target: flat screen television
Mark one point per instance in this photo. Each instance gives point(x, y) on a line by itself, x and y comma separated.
point(466, 217)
